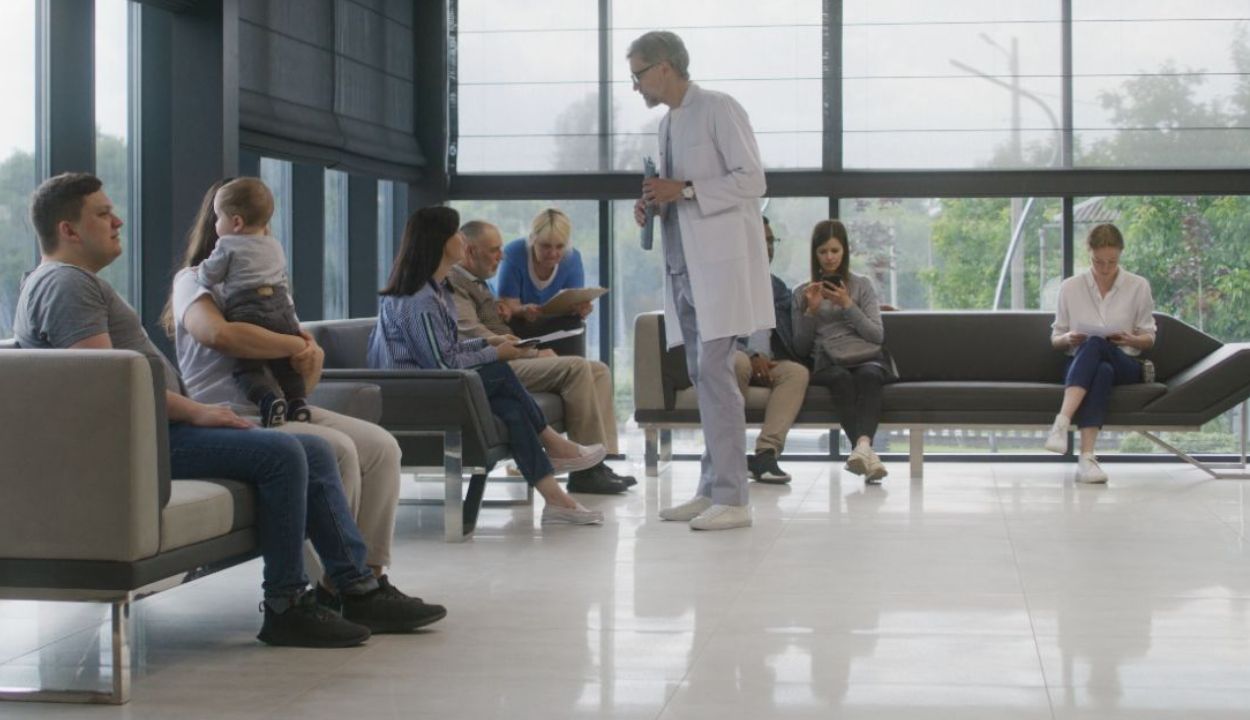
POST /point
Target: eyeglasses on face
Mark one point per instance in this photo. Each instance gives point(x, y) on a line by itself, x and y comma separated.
point(637, 76)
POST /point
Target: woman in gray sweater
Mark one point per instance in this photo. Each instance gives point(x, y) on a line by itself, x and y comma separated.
point(837, 324)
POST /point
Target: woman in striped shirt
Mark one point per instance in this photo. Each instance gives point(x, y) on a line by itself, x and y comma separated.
point(417, 328)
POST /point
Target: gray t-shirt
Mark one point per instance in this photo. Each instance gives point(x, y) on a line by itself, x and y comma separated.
point(244, 262)
point(61, 304)
point(209, 374)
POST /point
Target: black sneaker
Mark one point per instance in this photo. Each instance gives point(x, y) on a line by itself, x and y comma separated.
point(626, 480)
point(597, 480)
point(307, 624)
point(297, 410)
point(272, 411)
point(387, 610)
point(329, 600)
point(763, 467)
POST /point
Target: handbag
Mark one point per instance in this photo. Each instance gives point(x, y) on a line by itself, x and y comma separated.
point(850, 350)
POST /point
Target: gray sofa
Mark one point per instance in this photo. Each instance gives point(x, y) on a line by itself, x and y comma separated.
point(966, 369)
point(88, 511)
point(441, 418)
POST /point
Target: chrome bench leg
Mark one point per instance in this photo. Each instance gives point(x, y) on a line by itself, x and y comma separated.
point(118, 693)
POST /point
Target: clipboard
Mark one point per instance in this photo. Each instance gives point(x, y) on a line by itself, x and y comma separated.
point(563, 302)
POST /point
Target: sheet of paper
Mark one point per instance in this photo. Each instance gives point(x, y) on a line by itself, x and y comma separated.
point(564, 301)
point(1093, 330)
point(550, 337)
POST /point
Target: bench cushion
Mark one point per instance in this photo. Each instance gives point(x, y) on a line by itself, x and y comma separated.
point(200, 510)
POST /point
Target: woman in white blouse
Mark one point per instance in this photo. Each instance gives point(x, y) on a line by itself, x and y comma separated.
point(1104, 320)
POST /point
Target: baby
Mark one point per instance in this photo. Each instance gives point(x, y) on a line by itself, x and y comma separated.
point(251, 267)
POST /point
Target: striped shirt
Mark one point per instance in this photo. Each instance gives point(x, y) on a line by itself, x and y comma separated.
point(419, 330)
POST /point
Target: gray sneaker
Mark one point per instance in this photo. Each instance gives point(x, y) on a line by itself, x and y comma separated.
point(686, 511)
point(554, 515)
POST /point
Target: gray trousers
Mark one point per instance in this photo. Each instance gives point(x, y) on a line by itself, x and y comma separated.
point(723, 467)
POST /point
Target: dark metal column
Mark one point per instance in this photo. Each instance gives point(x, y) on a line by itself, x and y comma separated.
point(308, 223)
point(362, 246)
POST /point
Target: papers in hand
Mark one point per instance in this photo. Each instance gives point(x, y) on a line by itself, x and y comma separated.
point(648, 223)
point(1092, 330)
point(563, 302)
point(550, 337)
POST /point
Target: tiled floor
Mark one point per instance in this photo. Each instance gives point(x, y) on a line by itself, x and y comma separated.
point(986, 591)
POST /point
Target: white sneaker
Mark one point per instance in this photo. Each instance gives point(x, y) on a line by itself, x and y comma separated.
point(580, 515)
point(1057, 441)
point(590, 456)
point(857, 461)
point(1089, 471)
point(722, 517)
point(686, 511)
point(874, 469)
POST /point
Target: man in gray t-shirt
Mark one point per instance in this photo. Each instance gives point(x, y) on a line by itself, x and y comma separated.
point(62, 305)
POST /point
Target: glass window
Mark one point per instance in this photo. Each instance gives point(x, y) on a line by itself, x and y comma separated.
point(1161, 84)
point(387, 241)
point(113, 138)
point(277, 175)
point(952, 253)
point(770, 62)
point(19, 172)
point(951, 85)
point(528, 86)
point(334, 292)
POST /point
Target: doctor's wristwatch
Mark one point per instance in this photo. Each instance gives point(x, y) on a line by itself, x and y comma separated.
point(687, 192)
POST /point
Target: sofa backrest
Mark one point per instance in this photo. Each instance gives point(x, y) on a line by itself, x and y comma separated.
point(346, 342)
point(971, 345)
point(1013, 346)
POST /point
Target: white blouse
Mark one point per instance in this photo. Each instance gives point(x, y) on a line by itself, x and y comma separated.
point(1127, 307)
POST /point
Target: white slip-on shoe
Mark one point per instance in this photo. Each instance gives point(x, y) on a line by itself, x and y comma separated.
point(857, 461)
point(590, 456)
point(874, 469)
point(580, 515)
point(688, 510)
point(1057, 441)
point(1089, 471)
point(722, 517)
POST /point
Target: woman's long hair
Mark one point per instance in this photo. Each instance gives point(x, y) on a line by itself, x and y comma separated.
point(421, 250)
point(824, 230)
point(201, 239)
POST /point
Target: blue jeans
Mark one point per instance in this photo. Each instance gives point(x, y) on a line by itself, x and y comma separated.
point(1097, 366)
point(513, 404)
point(298, 490)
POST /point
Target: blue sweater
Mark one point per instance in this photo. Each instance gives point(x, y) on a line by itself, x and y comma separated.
point(514, 281)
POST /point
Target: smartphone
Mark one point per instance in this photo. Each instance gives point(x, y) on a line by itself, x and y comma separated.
point(832, 279)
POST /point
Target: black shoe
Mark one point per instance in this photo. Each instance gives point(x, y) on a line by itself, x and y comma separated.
point(329, 600)
point(272, 411)
point(307, 624)
point(387, 610)
point(763, 467)
point(297, 410)
point(626, 480)
point(597, 480)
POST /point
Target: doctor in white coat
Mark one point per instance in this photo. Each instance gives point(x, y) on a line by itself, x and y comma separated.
point(717, 285)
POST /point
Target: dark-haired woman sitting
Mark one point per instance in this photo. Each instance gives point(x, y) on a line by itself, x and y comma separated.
point(417, 328)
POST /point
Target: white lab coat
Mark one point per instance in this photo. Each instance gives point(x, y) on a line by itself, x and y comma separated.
point(722, 231)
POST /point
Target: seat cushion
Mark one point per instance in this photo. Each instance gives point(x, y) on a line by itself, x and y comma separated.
point(200, 510)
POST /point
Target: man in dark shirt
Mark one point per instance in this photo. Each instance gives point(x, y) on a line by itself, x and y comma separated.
point(767, 359)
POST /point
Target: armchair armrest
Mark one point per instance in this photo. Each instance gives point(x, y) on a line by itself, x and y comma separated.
point(84, 456)
point(1210, 386)
point(432, 399)
point(355, 399)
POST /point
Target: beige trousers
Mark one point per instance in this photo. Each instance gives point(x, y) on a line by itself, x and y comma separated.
point(368, 459)
point(784, 400)
point(585, 386)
